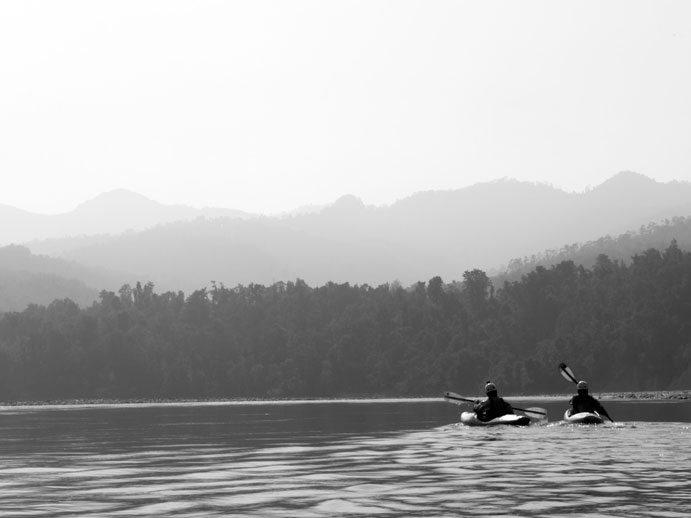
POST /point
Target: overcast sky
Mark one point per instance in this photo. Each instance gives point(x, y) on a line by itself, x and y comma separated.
point(268, 105)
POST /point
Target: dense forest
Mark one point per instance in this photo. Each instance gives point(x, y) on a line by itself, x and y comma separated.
point(626, 326)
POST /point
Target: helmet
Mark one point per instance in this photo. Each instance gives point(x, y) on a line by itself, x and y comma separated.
point(490, 387)
point(582, 385)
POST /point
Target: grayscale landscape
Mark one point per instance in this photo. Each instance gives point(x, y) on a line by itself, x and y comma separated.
point(324, 259)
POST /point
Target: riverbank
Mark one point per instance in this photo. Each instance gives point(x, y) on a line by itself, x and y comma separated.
point(658, 395)
point(653, 396)
point(661, 395)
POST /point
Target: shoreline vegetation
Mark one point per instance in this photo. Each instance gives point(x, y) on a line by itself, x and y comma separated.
point(660, 395)
point(619, 323)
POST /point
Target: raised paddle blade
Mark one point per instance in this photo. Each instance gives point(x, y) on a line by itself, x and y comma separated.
point(567, 373)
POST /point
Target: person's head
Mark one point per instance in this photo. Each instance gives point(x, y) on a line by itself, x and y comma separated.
point(582, 387)
point(490, 389)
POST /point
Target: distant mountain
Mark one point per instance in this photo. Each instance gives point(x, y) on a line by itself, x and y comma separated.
point(109, 213)
point(504, 227)
point(443, 233)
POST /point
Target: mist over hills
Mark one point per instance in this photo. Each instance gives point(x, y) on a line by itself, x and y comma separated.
point(26, 278)
point(109, 213)
point(435, 233)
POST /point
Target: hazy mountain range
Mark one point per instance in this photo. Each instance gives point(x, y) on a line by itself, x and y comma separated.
point(123, 237)
point(110, 213)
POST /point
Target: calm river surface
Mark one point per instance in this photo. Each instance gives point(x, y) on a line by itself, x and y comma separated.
point(324, 459)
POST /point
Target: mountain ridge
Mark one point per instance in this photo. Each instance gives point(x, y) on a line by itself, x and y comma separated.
point(120, 210)
point(428, 234)
point(111, 212)
point(432, 233)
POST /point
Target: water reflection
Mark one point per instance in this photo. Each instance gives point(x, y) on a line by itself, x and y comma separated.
point(312, 461)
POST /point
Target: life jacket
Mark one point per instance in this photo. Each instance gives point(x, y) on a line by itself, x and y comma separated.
point(585, 403)
point(491, 408)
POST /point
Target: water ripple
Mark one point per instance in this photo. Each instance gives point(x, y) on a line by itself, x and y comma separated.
point(548, 471)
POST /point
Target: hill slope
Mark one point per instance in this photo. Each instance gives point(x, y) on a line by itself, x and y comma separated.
point(618, 248)
point(440, 233)
point(26, 278)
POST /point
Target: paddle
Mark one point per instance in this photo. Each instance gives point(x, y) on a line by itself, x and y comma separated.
point(452, 397)
point(568, 375)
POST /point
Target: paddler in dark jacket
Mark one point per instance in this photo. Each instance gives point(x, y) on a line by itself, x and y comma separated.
point(584, 402)
point(493, 406)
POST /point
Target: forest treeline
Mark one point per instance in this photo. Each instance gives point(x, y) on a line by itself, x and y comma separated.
point(619, 248)
point(623, 326)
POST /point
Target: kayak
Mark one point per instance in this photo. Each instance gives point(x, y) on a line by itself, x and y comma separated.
point(470, 419)
point(583, 418)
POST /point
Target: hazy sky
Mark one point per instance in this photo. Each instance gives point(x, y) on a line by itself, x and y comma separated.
point(268, 105)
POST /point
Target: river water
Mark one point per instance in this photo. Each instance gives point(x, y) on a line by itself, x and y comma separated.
point(326, 459)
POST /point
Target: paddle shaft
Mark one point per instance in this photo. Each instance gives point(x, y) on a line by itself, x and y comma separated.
point(456, 397)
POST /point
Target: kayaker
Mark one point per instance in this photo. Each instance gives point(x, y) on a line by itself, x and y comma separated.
point(493, 406)
point(584, 402)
